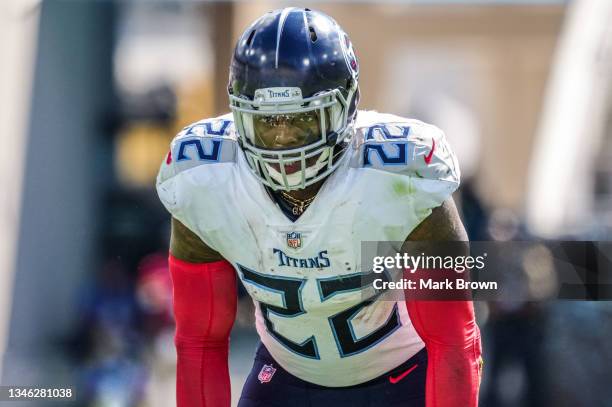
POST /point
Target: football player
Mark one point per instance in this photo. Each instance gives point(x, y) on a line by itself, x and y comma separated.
point(281, 193)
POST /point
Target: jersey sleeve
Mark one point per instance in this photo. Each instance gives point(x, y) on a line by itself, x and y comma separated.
point(434, 169)
point(169, 179)
point(165, 183)
point(416, 154)
point(195, 165)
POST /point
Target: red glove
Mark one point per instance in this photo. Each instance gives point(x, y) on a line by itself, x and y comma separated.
point(204, 310)
point(452, 340)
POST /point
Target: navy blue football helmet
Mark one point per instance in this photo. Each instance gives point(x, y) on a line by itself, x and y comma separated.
point(294, 67)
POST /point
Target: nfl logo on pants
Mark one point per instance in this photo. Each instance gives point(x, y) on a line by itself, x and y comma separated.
point(294, 240)
point(266, 373)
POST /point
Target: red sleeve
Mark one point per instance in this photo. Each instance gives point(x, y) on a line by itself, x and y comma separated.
point(452, 340)
point(204, 299)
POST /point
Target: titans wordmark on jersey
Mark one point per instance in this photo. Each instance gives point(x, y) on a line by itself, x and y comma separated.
point(304, 276)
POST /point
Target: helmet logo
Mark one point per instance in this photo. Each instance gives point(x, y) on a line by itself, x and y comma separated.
point(278, 94)
point(349, 55)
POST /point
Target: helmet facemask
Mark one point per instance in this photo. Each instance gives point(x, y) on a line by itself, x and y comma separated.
point(289, 141)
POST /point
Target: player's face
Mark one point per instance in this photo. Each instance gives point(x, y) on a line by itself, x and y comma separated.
point(287, 131)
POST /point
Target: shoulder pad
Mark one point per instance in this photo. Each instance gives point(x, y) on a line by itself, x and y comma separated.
point(207, 141)
point(398, 145)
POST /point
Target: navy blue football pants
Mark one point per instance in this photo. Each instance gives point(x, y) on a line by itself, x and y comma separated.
point(403, 386)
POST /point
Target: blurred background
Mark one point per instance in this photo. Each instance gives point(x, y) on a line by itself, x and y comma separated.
point(91, 93)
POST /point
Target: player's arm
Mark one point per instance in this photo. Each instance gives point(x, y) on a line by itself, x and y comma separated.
point(187, 246)
point(448, 328)
point(204, 301)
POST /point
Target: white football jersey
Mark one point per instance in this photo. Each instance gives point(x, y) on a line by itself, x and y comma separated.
point(305, 276)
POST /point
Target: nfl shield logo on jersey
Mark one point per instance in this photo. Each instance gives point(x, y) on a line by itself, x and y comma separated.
point(266, 373)
point(294, 240)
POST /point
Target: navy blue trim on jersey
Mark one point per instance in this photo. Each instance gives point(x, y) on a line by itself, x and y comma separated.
point(285, 286)
point(198, 144)
point(401, 157)
point(330, 286)
point(284, 206)
point(349, 347)
point(282, 389)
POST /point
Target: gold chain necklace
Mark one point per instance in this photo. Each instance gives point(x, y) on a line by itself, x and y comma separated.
point(298, 205)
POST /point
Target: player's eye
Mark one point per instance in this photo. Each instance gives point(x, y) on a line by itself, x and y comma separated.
point(306, 118)
point(285, 119)
point(268, 120)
